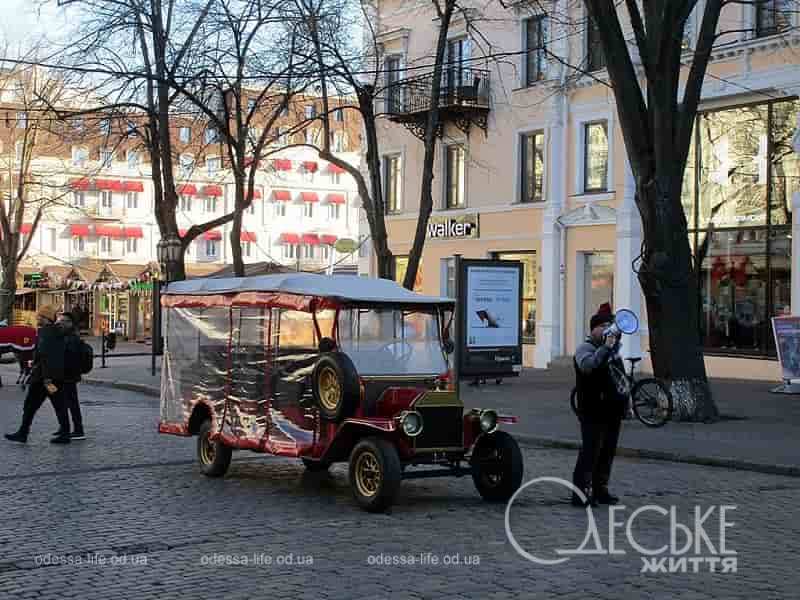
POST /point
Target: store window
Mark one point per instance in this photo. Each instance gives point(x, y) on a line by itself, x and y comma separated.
point(530, 271)
point(741, 176)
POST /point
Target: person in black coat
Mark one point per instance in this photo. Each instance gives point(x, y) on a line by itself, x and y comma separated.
point(72, 374)
point(47, 377)
point(600, 409)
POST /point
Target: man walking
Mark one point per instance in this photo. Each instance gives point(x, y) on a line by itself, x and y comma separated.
point(600, 409)
point(47, 377)
point(72, 374)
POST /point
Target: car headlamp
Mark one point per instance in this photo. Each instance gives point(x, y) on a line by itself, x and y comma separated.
point(411, 423)
point(488, 420)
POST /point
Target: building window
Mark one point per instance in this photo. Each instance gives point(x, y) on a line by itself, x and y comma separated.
point(247, 249)
point(338, 115)
point(595, 156)
point(251, 105)
point(336, 178)
point(79, 199)
point(131, 245)
point(393, 91)
point(53, 235)
point(738, 185)
point(19, 150)
point(334, 211)
point(308, 251)
point(251, 208)
point(211, 135)
point(399, 269)
point(595, 56)
point(530, 270)
point(105, 245)
point(106, 158)
point(78, 244)
point(311, 111)
point(79, 157)
point(106, 200)
point(532, 167)
point(185, 203)
point(458, 53)
point(279, 209)
point(212, 248)
point(773, 16)
point(448, 277)
point(132, 200)
point(105, 126)
point(212, 165)
point(392, 183)
point(308, 210)
point(535, 49)
point(210, 204)
point(187, 165)
point(339, 141)
point(455, 176)
point(185, 135)
point(288, 250)
point(22, 120)
point(133, 160)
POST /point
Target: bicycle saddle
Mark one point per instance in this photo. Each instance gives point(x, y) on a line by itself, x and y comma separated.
point(634, 359)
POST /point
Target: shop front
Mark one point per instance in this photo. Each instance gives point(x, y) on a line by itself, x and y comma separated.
point(124, 300)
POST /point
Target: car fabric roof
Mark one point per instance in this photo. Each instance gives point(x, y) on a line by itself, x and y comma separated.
point(344, 287)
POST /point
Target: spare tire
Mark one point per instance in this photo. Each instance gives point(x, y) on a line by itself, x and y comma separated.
point(335, 386)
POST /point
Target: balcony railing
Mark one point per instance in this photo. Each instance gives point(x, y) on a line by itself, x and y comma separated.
point(465, 92)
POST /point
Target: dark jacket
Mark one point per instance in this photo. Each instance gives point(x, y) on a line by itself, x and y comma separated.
point(48, 359)
point(598, 398)
point(72, 356)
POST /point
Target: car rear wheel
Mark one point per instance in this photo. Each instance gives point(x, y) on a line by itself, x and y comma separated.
point(214, 456)
point(497, 466)
point(335, 386)
point(375, 474)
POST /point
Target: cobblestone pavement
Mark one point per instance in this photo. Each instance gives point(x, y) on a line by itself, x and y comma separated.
point(126, 514)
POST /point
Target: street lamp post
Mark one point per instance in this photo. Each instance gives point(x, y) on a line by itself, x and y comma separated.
point(168, 252)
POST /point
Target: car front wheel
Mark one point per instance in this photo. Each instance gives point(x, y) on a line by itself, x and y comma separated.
point(214, 456)
point(375, 474)
point(497, 466)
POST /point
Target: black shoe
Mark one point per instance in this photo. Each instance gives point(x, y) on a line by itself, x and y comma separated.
point(603, 497)
point(17, 437)
point(78, 435)
point(62, 439)
point(59, 433)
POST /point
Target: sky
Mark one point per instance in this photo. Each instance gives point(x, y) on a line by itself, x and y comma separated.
point(21, 24)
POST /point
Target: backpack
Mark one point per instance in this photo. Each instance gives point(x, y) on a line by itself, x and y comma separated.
point(87, 357)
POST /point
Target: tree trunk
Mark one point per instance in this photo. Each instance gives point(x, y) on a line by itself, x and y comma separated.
point(669, 283)
point(236, 232)
point(9, 289)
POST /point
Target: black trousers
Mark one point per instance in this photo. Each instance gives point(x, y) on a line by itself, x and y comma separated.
point(37, 394)
point(596, 455)
point(74, 408)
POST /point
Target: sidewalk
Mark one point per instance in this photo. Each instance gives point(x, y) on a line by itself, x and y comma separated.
point(758, 431)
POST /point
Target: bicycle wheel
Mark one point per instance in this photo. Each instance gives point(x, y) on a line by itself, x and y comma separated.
point(652, 402)
point(573, 401)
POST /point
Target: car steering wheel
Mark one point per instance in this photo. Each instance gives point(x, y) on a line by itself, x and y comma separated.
point(406, 349)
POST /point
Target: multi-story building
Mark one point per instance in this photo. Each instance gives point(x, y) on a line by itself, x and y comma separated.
point(532, 155)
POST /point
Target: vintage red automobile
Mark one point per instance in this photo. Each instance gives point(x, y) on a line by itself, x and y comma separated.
point(327, 369)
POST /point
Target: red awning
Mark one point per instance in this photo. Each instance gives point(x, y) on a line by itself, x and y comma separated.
point(26, 228)
point(213, 234)
point(107, 231)
point(186, 190)
point(311, 239)
point(212, 190)
point(79, 230)
point(335, 169)
point(309, 196)
point(80, 184)
point(133, 232)
point(133, 186)
point(282, 195)
point(256, 193)
point(290, 238)
point(330, 240)
point(336, 199)
point(282, 164)
point(248, 236)
point(310, 166)
point(108, 184)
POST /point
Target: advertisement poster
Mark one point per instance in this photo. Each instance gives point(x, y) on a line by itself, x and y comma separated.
point(492, 317)
point(787, 342)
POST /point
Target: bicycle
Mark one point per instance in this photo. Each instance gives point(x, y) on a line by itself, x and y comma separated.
point(649, 398)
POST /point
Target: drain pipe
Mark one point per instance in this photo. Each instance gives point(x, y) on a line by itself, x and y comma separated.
point(562, 287)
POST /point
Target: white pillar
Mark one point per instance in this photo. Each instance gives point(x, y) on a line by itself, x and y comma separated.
point(796, 254)
point(548, 322)
point(627, 292)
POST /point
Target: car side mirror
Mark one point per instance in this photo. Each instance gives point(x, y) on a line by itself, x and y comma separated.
point(449, 346)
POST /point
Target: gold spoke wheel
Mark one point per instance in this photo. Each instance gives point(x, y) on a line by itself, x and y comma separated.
point(368, 474)
point(330, 390)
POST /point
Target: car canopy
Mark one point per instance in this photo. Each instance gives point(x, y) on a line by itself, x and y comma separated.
point(346, 289)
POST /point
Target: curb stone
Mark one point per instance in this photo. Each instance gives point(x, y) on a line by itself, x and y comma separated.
point(532, 440)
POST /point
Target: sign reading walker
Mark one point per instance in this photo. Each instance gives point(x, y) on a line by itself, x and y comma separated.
point(787, 342)
point(490, 322)
point(461, 227)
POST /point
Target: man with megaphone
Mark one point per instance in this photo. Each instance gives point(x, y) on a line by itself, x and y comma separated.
point(600, 409)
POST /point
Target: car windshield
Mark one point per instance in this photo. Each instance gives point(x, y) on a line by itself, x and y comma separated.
point(392, 342)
